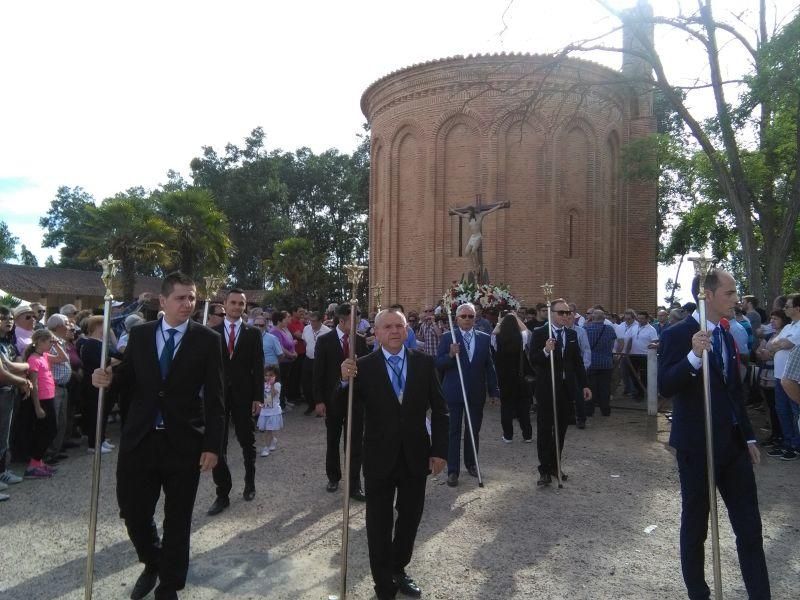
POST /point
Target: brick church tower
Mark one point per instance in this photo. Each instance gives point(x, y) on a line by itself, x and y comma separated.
point(540, 134)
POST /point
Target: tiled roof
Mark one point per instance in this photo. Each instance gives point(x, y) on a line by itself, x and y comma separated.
point(34, 282)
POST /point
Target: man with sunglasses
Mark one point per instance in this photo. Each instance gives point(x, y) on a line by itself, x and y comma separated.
point(216, 315)
point(472, 348)
point(561, 342)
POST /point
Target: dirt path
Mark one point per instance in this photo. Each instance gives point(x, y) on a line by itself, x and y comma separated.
point(612, 532)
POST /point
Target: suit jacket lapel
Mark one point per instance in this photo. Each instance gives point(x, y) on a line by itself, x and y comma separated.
point(152, 349)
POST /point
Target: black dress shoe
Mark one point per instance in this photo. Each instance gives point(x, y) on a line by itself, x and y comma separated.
point(249, 493)
point(146, 582)
point(220, 504)
point(406, 586)
point(452, 479)
point(358, 496)
point(332, 486)
point(472, 470)
point(544, 479)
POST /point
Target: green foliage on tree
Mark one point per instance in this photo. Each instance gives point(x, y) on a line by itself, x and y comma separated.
point(50, 262)
point(197, 232)
point(8, 243)
point(67, 211)
point(27, 258)
point(736, 173)
point(270, 197)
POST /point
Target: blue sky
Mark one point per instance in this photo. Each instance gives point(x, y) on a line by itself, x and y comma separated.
point(108, 95)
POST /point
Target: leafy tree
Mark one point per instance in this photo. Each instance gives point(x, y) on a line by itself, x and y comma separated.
point(68, 210)
point(8, 243)
point(756, 183)
point(197, 231)
point(49, 262)
point(247, 188)
point(27, 258)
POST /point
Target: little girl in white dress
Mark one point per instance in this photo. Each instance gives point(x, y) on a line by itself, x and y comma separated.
point(270, 419)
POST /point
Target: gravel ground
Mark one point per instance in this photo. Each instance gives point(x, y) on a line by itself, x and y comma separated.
point(611, 532)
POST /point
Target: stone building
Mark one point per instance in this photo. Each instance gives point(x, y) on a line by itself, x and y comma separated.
point(543, 134)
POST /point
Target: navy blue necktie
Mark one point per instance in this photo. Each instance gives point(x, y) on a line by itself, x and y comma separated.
point(165, 361)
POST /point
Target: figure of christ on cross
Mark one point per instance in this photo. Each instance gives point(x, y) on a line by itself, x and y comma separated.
point(475, 215)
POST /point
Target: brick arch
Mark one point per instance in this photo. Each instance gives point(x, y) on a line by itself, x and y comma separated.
point(450, 118)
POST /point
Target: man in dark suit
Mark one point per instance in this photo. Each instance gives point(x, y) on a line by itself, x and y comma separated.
point(397, 387)
point(243, 366)
point(330, 398)
point(472, 348)
point(562, 342)
point(171, 434)
point(680, 376)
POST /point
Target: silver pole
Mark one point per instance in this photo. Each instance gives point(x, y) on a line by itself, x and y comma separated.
point(463, 391)
point(354, 273)
point(110, 267)
point(548, 294)
point(701, 266)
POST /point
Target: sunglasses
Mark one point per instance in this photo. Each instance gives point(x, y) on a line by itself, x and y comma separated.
point(28, 317)
point(466, 316)
point(219, 314)
point(564, 313)
point(260, 324)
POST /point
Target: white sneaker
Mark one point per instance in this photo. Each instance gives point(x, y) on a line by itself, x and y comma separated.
point(265, 451)
point(3, 486)
point(273, 445)
point(108, 444)
point(505, 441)
point(103, 450)
point(10, 478)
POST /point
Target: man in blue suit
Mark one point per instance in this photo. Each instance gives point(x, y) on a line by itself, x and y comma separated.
point(735, 449)
point(472, 348)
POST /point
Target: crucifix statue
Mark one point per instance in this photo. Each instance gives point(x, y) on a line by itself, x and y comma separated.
point(474, 215)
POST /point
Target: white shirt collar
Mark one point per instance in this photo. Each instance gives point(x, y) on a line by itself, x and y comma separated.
point(181, 328)
point(341, 333)
point(401, 354)
point(237, 322)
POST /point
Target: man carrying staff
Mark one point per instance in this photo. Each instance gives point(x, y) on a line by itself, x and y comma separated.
point(330, 396)
point(570, 376)
point(172, 432)
point(397, 387)
point(680, 376)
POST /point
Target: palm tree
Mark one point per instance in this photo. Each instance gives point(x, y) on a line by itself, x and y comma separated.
point(198, 231)
point(128, 227)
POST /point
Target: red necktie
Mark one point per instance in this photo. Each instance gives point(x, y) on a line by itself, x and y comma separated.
point(232, 339)
point(346, 345)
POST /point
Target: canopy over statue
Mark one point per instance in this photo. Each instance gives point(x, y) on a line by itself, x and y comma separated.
point(474, 215)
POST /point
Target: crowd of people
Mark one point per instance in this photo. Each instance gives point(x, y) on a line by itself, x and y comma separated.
point(276, 360)
point(613, 346)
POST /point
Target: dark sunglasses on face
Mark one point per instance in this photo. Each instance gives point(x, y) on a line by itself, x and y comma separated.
point(466, 316)
point(28, 317)
point(564, 313)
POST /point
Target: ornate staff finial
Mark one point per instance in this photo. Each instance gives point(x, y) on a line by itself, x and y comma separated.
point(212, 285)
point(110, 269)
point(702, 265)
point(547, 288)
point(354, 273)
point(378, 294)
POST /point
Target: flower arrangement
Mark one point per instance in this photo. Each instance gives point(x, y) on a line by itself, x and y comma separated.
point(487, 296)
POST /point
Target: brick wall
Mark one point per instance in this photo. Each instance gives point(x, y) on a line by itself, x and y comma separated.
point(446, 131)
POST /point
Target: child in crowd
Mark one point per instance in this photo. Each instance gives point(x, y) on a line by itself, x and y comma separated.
point(38, 357)
point(270, 418)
